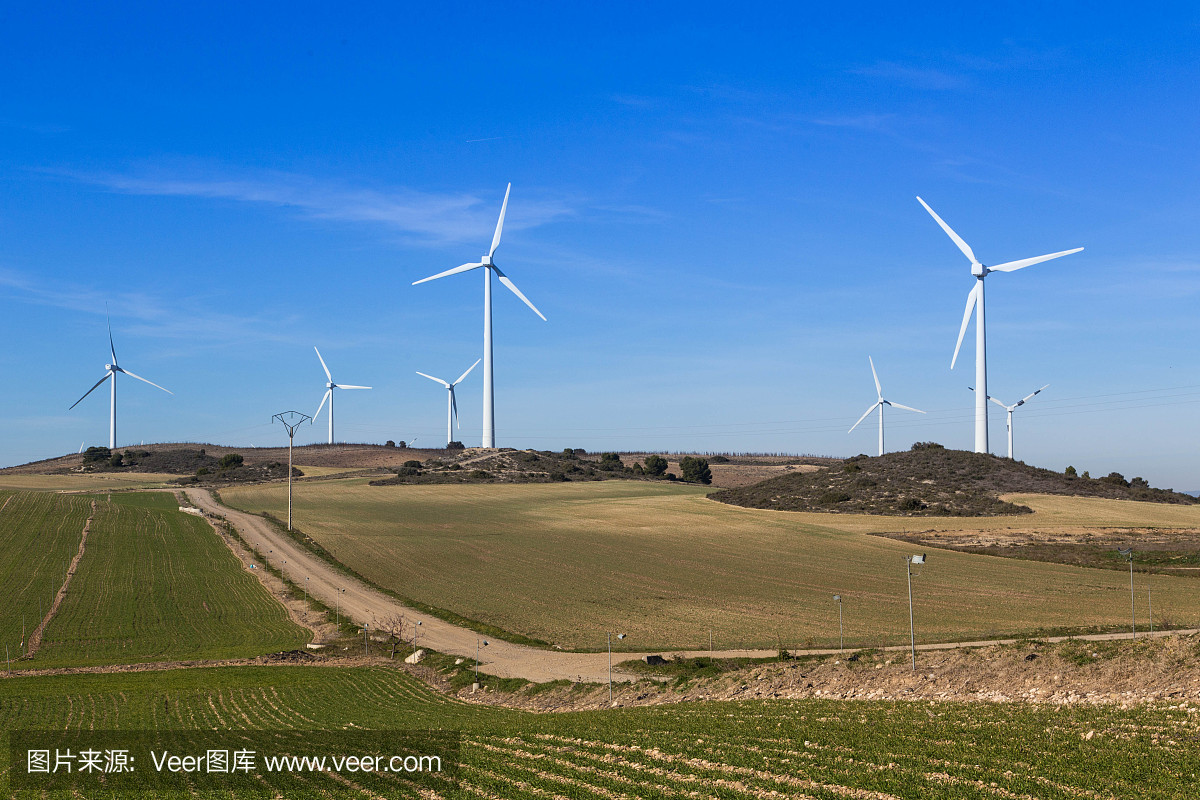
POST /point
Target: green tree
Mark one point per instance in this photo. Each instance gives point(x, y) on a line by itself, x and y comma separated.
point(1070, 472)
point(695, 470)
point(656, 465)
point(230, 460)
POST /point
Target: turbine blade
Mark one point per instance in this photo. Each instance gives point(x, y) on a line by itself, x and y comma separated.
point(958, 240)
point(997, 402)
point(864, 416)
point(455, 271)
point(323, 399)
point(878, 388)
point(500, 223)
point(468, 372)
point(906, 408)
point(439, 380)
point(513, 288)
point(143, 380)
point(971, 298)
point(454, 408)
point(1029, 397)
point(1013, 266)
point(351, 386)
point(112, 348)
point(327, 375)
point(107, 375)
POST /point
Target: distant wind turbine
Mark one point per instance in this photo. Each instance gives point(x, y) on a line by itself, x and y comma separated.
point(975, 299)
point(880, 403)
point(329, 387)
point(451, 403)
point(1011, 409)
point(489, 405)
point(111, 374)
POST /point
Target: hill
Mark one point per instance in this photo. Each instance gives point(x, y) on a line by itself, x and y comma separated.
point(930, 480)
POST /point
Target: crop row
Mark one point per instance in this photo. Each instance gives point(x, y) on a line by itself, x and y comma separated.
point(756, 749)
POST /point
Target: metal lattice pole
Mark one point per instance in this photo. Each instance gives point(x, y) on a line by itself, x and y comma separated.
point(291, 420)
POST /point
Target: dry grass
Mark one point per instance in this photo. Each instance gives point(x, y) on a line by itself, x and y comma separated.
point(75, 483)
point(566, 562)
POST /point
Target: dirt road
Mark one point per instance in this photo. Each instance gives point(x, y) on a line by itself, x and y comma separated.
point(364, 604)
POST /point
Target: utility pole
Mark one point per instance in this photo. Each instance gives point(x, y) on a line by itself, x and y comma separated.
point(1128, 553)
point(912, 630)
point(291, 420)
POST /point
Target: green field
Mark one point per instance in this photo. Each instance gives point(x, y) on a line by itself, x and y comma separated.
point(153, 584)
point(753, 749)
point(95, 482)
point(567, 562)
point(39, 535)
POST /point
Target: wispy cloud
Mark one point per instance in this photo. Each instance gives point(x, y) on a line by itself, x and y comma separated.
point(426, 216)
point(916, 77)
point(145, 314)
point(866, 122)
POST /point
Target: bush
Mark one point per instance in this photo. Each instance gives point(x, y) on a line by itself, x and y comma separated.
point(117, 460)
point(480, 474)
point(96, 454)
point(718, 460)
point(1070, 472)
point(568, 452)
point(912, 504)
point(611, 462)
point(408, 471)
point(202, 471)
point(1115, 478)
point(927, 446)
point(830, 498)
point(695, 470)
point(389, 443)
point(230, 460)
point(455, 446)
point(655, 465)
point(403, 445)
point(413, 464)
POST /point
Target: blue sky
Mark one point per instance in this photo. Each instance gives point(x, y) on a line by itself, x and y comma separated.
point(712, 204)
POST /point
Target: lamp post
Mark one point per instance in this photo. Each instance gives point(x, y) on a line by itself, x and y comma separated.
point(912, 630)
point(619, 636)
point(841, 642)
point(291, 420)
point(1128, 553)
point(478, 641)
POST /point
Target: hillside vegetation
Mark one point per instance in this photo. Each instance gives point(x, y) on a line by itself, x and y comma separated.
point(930, 480)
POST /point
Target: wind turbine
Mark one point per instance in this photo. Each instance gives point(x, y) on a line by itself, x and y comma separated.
point(880, 403)
point(111, 374)
point(1011, 409)
point(451, 403)
point(489, 405)
point(329, 387)
point(975, 299)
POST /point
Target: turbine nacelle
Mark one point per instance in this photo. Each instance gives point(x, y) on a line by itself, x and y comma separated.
point(979, 270)
point(486, 261)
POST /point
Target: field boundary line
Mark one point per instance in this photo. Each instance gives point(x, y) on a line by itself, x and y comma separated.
point(35, 639)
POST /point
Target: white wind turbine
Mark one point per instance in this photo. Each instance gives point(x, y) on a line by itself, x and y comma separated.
point(329, 387)
point(112, 370)
point(489, 405)
point(975, 299)
point(1011, 409)
point(880, 403)
point(451, 403)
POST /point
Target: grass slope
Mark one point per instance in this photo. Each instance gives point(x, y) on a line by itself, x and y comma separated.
point(811, 748)
point(566, 562)
point(153, 584)
point(929, 481)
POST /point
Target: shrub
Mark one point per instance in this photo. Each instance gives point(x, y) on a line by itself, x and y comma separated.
point(403, 445)
point(413, 464)
point(408, 471)
point(568, 452)
point(1115, 478)
point(611, 462)
point(202, 471)
point(389, 443)
point(927, 446)
point(117, 460)
point(480, 474)
point(832, 497)
point(230, 460)
point(912, 504)
point(851, 467)
point(455, 446)
point(1070, 472)
point(655, 465)
point(718, 460)
point(695, 470)
point(96, 454)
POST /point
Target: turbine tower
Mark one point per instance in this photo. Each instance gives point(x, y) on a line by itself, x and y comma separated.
point(1011, 409)
point(451, 403)
point(489, 405)
point(111, 374)
point(880, 403)
point(329, 387)
point(975, 299)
